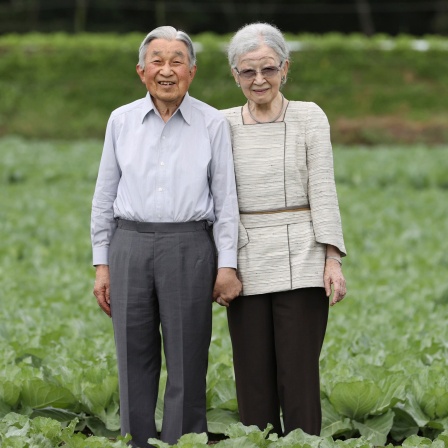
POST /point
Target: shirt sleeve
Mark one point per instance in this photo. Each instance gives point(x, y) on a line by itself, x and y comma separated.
point(223, 189)
point(321, 184)
point(103, 224)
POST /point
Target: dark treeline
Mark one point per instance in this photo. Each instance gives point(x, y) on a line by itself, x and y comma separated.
point(416, 17)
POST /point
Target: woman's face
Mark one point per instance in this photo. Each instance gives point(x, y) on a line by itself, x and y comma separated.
point(261, 88)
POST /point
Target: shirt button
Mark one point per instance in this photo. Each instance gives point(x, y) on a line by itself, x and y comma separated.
point(162, 163)
point(160, 189)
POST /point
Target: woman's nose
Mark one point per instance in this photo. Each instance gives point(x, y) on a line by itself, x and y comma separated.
point(259, 78)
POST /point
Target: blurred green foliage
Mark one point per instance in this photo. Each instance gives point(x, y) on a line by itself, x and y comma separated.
point(384, 360)
point(379, 89)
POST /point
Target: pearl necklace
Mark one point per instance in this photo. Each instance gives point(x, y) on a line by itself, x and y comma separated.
point(272, 121)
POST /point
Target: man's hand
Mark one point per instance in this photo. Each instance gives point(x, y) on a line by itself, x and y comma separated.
point(101, 290)
point(227, 286)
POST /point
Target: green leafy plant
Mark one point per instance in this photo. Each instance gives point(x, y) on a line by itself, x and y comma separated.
point(383, 361)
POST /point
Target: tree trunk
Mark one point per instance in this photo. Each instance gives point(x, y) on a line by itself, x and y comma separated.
point(33, 15)
point(365, 17)
point(440, 21)
point(81, 16)
point(160, 13)
point(229, 12)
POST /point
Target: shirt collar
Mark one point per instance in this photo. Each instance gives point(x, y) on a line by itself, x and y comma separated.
point(184, 108)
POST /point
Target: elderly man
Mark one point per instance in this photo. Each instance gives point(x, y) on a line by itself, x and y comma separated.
point(166, 174)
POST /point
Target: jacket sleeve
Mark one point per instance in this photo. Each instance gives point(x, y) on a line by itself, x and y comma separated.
point(321, 184)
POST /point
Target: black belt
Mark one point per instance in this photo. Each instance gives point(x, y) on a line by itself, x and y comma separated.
point(162, 227)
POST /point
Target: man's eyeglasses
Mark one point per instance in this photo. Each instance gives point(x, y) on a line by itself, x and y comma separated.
point(266, 72)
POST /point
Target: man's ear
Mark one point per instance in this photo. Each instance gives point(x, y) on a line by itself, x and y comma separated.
point(193, 72)
point(141, 73)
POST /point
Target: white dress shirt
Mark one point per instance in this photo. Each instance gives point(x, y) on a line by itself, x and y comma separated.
point(178, 171)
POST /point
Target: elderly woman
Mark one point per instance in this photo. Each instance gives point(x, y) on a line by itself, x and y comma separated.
point(290, 239)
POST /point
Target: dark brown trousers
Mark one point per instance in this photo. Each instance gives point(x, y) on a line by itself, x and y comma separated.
point(277, 339)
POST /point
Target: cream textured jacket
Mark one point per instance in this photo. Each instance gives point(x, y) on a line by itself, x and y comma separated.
point(287, 199)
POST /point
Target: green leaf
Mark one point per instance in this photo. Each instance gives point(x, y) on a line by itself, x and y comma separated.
point(159, 414)
point(51, 429)
point(69, 430)
point(377, 428)
point(4, 409)
point(444, 437)
point(13, 420)
point(158, 443)
point(98, 396)
point(412, 407)
point(239, 430)
point(18, 431)
point(442, 405)
point(9, 393)
point(77, 440)
point(393, 390)
point(444, 422)
point(252, 433)
point(193, 440)
point(438, 444)
point(61, 415)
point(434, 424)
point(404, 425)
point(354, 443)
point(355, 399)
point(237, 442)
point(299, 438)
point(112, 417)
point(218, 420)
point(333, 424)
point(223, 395)
point(416, 441)
point(36, 394)
point(99, 428)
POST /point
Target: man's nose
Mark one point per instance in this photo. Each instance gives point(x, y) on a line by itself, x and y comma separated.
point(166, 69)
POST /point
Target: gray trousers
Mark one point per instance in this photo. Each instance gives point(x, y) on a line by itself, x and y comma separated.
point(162, 277)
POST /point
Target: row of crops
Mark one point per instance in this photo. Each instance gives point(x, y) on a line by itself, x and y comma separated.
point(384, 360)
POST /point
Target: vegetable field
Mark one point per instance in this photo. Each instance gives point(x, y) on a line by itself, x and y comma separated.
point(385, 357)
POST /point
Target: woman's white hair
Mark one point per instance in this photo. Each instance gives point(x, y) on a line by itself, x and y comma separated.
point(166, 33)
point(253, 36)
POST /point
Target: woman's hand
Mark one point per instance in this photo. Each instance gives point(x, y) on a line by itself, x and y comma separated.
point(333, 276)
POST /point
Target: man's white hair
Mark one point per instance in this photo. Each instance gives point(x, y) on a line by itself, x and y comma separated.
point(166, 33)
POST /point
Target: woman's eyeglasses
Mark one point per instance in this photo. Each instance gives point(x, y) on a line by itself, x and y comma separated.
point(266, 72)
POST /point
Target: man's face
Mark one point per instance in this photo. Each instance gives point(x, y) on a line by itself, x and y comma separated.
point(167, 73)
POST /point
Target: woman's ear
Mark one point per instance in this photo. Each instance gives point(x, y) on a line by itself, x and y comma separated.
point(285, 68)
point(235, 76)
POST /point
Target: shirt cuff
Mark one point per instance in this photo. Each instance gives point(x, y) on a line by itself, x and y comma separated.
point(227, 259)
point(101, 255)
